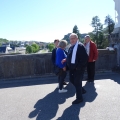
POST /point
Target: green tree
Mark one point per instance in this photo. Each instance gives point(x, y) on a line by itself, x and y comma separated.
point(98, 27)
point(29, 49)
point(50, 47)
point(76, 30)
point(35, 47)
point(110, 24)
point(102, 39)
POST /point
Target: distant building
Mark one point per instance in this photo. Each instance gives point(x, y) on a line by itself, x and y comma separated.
point(6, 45)
point(4, 49)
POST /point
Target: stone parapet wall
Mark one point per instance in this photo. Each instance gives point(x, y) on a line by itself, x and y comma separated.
point(106, 59)
point(14, 66)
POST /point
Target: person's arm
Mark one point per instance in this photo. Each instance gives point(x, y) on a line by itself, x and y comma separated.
point(95, 51)
point(82, 57)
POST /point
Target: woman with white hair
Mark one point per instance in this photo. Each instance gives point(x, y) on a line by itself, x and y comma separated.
point(60, 55)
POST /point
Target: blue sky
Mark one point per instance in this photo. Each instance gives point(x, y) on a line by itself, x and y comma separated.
point(46, 20)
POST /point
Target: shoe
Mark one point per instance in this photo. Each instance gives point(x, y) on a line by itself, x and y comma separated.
point(83, 91)
point(62, 91)
point(77, 101)
point(64, 83)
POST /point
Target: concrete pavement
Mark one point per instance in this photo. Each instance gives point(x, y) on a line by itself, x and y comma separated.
point(38, 99)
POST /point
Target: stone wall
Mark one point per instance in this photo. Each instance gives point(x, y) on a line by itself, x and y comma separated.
point(14, 66)
point(106, 59)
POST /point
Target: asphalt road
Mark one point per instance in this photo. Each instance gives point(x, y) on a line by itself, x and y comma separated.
point(38, 99)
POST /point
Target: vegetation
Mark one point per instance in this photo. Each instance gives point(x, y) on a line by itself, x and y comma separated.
point(76, 30)
point(110, 24)
point(96, 24)
point(51, 47)
point(3, 41)
point(100, 35)
point(33, 48)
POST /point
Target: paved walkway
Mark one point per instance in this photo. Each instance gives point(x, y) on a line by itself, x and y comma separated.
point(39, 100)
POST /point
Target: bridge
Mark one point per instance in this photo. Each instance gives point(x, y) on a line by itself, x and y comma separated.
point(38, 99)
point(32, 65)
point(28, 90)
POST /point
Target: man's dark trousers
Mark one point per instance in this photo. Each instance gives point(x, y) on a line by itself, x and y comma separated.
point(76, 77)
point(91, 71)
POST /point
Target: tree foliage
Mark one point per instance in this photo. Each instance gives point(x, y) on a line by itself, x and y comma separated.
point(2, 40)
point(110, 24)
point(29, 49)
point(98, 27)
point(50, 47)
point(76, 30)
point(33, 48)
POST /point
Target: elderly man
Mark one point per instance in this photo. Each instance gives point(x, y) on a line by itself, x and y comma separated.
point(76, 60)
point(93, 54)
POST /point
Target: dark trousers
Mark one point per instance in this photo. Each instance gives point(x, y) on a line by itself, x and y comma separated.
point(76, 77)
point(91, 70)
point(61, 78)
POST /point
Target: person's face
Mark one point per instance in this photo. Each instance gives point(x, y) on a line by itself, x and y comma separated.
point(73, 40)
point(87, 39)
point(56, 43)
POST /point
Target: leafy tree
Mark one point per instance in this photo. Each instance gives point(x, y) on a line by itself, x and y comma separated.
point(102, 39)
point(50, 47)
point(110, 24)
point(35, 47)
point(76, 30)
point(98, 27)
point(2, 40)
point(29, 49)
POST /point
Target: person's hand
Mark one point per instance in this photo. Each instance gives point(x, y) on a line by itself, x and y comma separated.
point(93, 60)
point(64, 60)
point(64, 69)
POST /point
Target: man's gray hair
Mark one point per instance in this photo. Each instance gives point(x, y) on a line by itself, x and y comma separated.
point(87, 36)
point(62, 43)
point(73, 34)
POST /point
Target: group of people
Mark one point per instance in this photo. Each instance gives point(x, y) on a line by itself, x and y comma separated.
point(75, 60)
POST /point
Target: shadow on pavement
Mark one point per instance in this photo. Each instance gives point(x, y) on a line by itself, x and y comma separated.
point(73, 112)
point(46, 108)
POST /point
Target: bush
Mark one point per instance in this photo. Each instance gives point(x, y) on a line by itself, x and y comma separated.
point(33, 48)
point(29, 49)
point(51, 47)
